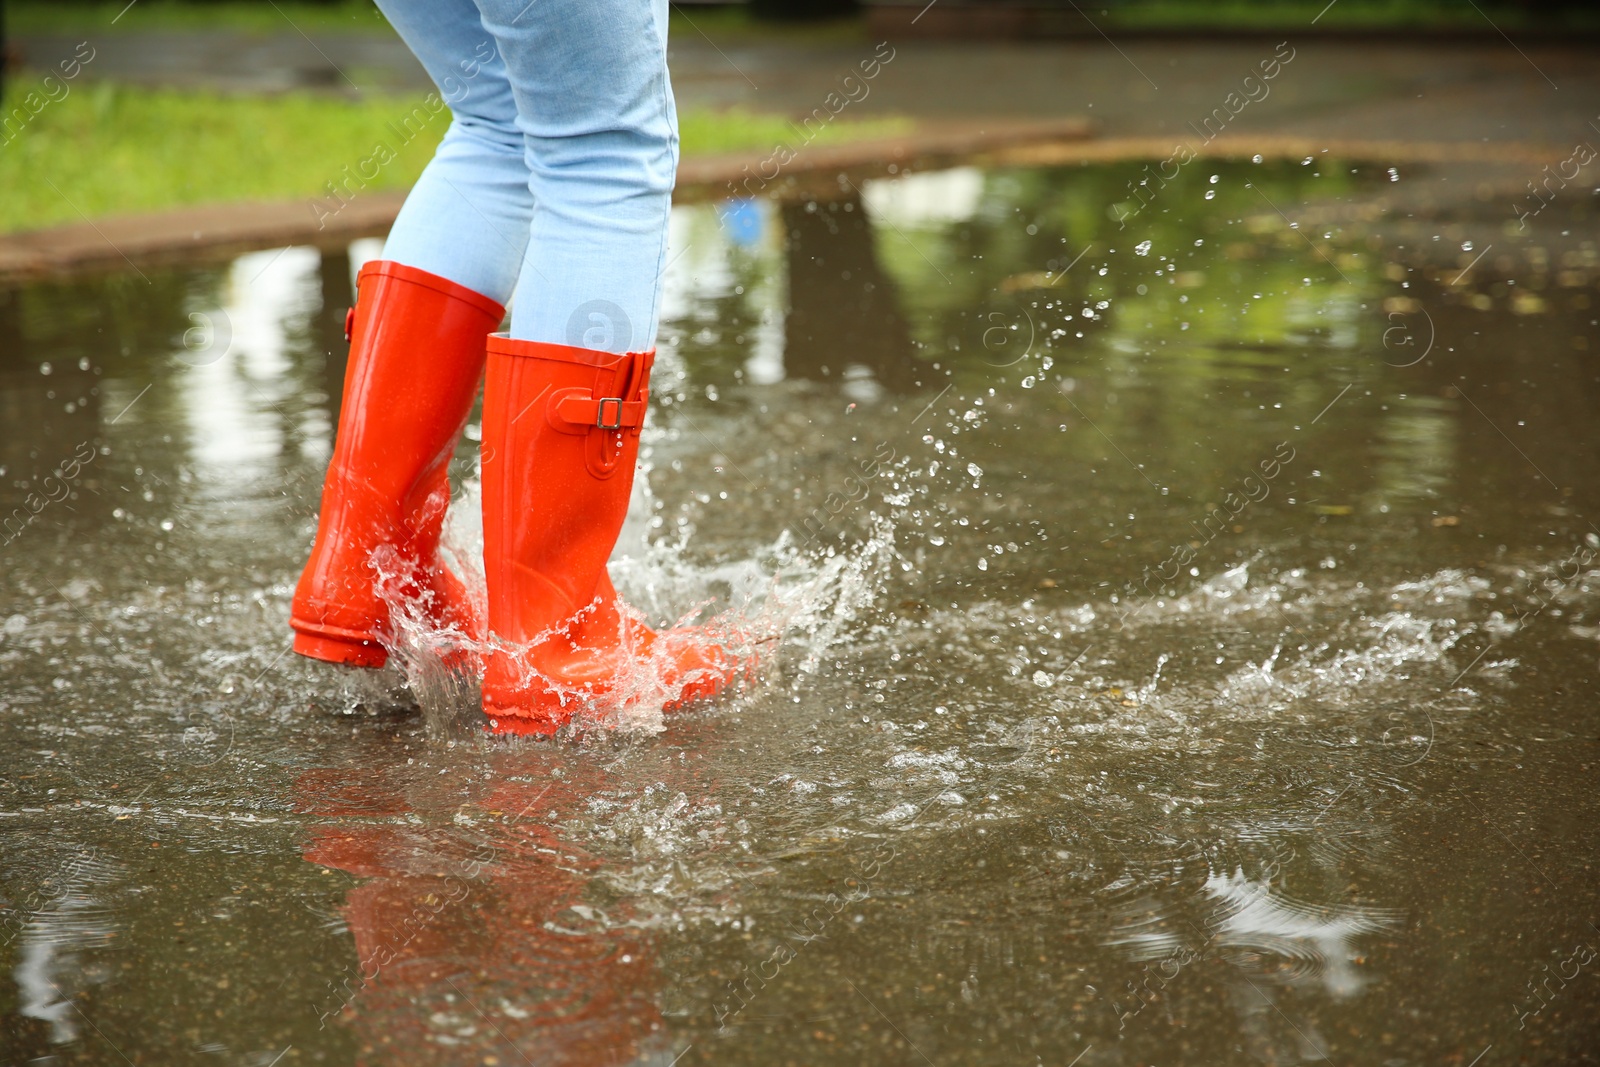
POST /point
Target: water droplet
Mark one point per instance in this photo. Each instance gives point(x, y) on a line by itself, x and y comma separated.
point(1029, 382)
point(983, 564)
point(974, 470)
point(1043, 680)
point(1211, 194)
point(1142, 248)
point(1256, 158)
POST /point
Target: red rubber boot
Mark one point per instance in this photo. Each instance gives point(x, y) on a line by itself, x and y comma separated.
point(560, 441)
point(416, 357)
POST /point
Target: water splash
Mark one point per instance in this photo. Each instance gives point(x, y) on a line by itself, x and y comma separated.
point(780, 604)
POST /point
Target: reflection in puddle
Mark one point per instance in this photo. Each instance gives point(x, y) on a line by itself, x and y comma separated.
point(477, 936)
point(73, 921)
point(948, 432)
point(1287, 941)
point(236, 367)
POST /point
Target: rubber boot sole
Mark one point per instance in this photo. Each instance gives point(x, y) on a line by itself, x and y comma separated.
point(332, 645)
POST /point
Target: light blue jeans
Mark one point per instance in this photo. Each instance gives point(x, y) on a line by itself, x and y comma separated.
point(554, 181)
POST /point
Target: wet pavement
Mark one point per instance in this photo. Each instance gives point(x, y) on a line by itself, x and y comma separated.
point(1189, 655)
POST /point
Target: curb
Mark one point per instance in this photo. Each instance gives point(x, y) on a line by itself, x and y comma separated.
point(215, 230)
point(209, 229)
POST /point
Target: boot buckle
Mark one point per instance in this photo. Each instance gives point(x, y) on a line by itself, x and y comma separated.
point(600, 413)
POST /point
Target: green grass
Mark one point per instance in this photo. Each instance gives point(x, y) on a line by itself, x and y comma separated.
point(257, 16)
point(1343, 15)
point(708, 133)
point(105, 149)
point(34, 16)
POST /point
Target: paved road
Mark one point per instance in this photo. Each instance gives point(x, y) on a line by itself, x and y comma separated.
point(1391, 89)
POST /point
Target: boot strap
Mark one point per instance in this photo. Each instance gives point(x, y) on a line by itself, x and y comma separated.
point(605, 413)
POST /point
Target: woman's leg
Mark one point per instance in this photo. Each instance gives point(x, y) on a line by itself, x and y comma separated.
point(467, 217)
point(418, 332)
point(565, 394)
point(594, 107)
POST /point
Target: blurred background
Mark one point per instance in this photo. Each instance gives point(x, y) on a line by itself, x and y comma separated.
point(151, 105)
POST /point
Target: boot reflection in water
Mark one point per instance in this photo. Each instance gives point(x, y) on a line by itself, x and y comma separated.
point(566, 106)
point(466, 938)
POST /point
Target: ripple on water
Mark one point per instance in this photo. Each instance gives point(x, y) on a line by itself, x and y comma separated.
point(1281, 939)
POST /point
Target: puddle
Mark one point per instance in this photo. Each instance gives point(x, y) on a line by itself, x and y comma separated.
point(1188, 651)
